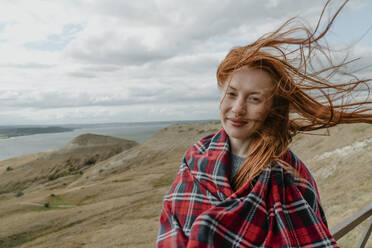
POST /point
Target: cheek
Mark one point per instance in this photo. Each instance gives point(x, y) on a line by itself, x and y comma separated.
point(260, 113)
point(224, 105)
point(265, 112)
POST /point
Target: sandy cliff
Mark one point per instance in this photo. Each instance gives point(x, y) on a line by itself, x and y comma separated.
point(106, 192)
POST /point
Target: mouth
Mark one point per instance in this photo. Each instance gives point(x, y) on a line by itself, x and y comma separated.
point(236, 122)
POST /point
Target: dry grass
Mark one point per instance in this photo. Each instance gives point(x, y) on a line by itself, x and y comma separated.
point(117, 201)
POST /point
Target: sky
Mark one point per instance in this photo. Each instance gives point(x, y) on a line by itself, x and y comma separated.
point(101, 61)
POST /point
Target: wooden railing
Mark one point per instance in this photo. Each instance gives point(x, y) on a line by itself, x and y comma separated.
point(346, 226)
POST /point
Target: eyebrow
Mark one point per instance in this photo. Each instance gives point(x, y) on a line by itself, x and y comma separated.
point(252, 92)
point(232, 87)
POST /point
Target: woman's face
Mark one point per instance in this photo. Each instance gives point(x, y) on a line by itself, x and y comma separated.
point(245, 102)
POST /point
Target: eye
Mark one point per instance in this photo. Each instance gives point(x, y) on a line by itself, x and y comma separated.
point(231, 93)
point(254, 99)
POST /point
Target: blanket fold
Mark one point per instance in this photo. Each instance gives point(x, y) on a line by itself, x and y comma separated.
point(201, 209)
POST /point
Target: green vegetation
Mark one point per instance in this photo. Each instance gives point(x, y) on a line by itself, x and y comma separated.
point(70, 171)
point(19, 239)
point(19, 193)
point(58, 175)
point(56, 200)
point(3, 197)
point(9, 168)
point(53, 202)
point(15, 240)
point(75, 166)
point(91, 160)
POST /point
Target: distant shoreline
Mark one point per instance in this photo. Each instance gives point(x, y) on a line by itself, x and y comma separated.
point(42, 142)
point(9, 132)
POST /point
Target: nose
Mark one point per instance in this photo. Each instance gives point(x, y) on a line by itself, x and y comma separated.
point(239, 107)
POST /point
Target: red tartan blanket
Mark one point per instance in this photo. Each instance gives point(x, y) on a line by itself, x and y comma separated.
point(201, 209)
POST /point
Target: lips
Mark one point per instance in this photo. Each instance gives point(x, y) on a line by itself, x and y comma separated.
point(236, 122)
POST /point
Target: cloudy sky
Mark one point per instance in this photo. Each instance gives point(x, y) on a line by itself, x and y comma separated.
point(97, 61)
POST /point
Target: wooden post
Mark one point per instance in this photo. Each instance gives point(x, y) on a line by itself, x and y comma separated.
point(367, 232)
point(346, 226)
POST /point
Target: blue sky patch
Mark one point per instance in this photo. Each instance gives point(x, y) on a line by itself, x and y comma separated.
point(2, 26)
point(56, 42)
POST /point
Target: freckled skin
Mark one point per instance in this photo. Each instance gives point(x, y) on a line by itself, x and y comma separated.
point(245, 103)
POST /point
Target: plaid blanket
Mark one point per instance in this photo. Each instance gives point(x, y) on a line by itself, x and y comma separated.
point(201, 209)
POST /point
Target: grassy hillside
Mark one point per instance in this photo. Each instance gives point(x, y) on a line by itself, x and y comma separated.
point(116, 201)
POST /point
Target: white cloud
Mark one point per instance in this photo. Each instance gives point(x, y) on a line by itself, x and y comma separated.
point(114, 60)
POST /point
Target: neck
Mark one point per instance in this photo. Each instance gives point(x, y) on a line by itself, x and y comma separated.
point(239, 147)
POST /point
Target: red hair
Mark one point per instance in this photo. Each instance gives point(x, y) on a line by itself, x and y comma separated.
point(289, 61)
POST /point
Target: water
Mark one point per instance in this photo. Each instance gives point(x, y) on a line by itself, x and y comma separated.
point(16, 146)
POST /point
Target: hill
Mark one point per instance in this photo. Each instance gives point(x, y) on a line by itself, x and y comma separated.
point(70, 162)
point(116, 201)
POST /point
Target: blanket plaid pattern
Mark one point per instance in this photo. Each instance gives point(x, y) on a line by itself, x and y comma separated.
point(201, 209)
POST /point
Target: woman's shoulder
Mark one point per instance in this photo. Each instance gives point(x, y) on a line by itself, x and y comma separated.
point(215, 141)
point(291, 158)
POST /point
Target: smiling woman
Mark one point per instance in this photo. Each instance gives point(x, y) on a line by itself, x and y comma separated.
point(243, 187)
point(245, 103)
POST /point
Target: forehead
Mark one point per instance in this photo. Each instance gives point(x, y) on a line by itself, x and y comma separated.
point(250, 80)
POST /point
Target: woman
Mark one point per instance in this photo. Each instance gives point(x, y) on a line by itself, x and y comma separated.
point(243, 187)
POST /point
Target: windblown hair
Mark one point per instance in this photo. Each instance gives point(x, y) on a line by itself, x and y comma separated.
point(305, 97)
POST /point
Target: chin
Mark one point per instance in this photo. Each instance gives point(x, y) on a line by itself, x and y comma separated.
point(238, 134)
